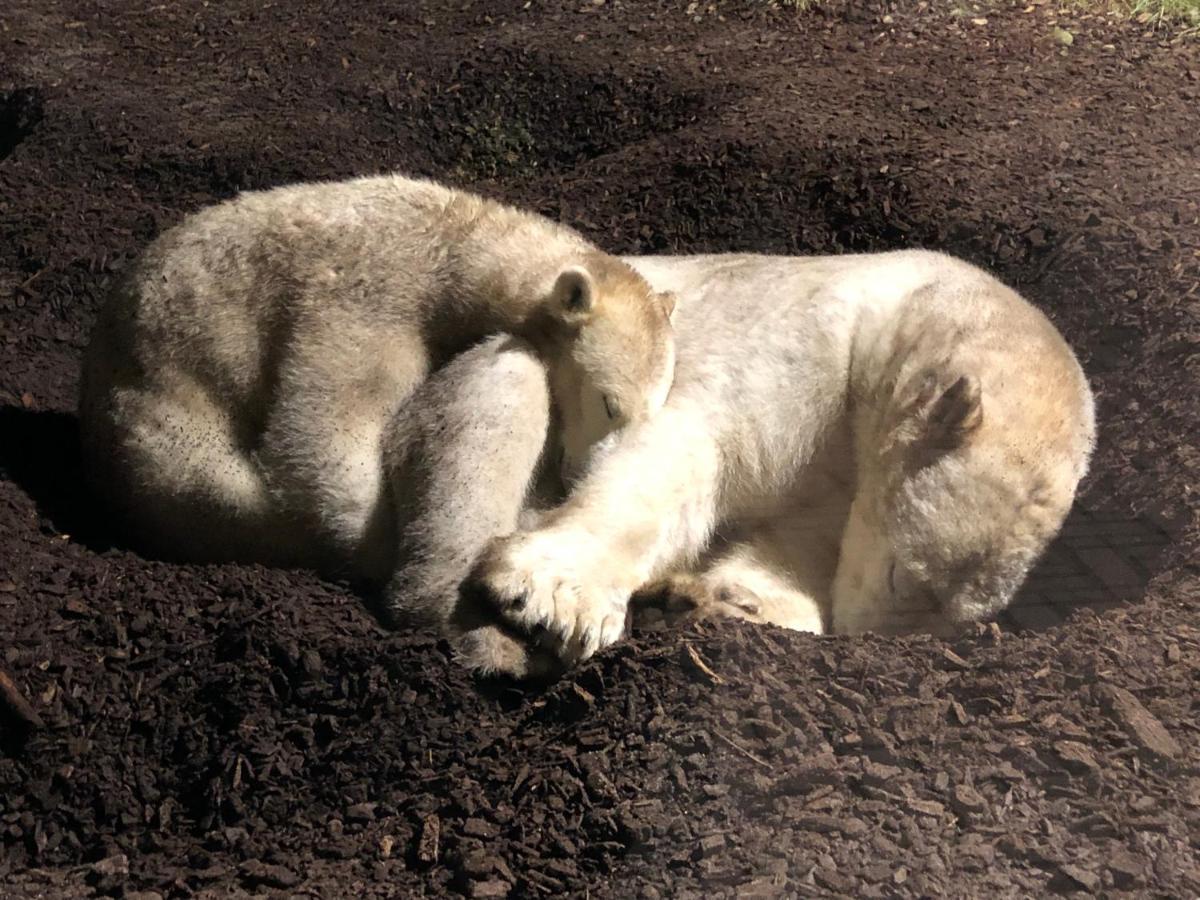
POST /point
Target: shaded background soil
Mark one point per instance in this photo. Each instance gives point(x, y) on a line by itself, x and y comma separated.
point(220, 730)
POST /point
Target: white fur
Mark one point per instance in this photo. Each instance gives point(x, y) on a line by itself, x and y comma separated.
point(815, 428)
point(242, 382)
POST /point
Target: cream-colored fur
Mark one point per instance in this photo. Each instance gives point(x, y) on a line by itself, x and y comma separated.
point(879, 442)
point(250, 379)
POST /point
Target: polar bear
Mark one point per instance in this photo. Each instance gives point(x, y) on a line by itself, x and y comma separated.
point(880, 442)
point(246, 383)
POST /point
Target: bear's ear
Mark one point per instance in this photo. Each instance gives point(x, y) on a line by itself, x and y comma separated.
point(573, 298)
point(934, 413)
point(951, 415)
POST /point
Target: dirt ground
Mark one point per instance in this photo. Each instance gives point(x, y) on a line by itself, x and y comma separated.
point(213, 731)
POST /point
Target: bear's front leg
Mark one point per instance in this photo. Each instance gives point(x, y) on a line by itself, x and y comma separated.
point(461, 457)
point(648, 502)
point(748, 581)
point(687, 596)
point(546, 584)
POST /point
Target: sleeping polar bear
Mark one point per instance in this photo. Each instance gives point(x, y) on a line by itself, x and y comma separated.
point(876, 442)
point(253, 383)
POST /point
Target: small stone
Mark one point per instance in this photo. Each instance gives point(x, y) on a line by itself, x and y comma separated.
point(966, 801)
point(361, 812)
point(710, 845)
point(1139, 723)
point(492, 888)
point(1126, 869)
point(479, 828)
point(339, 850)
point(478, 864)
point(631, 830)
point(386, 843)
point(112, 866)
point(1076, 756)
point(1063, 36)
point(75, 607)
point(925, 807)
point(256, 872)
point(310, 662)
point(1144, 805)
point(960, 713)
point(1079, 876)
point(761, 889)
point(834, 881)
point(823, 824)
point(384, 870)
point(954, 659)
point(428, 843)
point(879, 774)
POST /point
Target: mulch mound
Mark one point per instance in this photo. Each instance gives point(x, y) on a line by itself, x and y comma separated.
point(172, 730)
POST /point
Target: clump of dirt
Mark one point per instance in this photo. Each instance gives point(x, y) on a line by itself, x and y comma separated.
point(176, 730)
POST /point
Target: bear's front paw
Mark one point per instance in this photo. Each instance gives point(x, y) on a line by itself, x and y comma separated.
point(684, 597)
point(539, 583)
point(489, 651)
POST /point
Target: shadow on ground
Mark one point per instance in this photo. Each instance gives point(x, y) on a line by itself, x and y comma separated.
point(39, 452)
point(1099, 561)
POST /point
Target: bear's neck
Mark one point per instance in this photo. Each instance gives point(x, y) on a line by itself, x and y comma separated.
point(500, 280)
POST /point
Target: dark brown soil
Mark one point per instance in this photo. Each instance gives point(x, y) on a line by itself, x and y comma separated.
point(217, 730)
